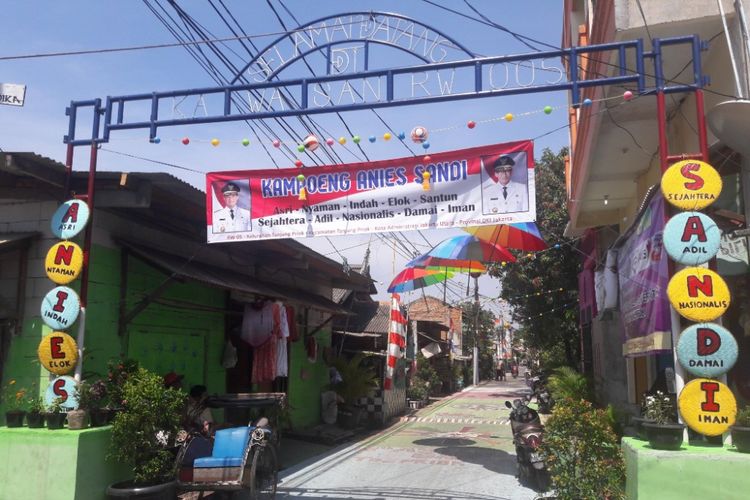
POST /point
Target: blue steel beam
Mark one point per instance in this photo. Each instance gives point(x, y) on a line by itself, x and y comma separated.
point(574, 84)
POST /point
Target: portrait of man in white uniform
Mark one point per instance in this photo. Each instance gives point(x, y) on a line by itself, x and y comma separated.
point(505, 187)
point(232, 218)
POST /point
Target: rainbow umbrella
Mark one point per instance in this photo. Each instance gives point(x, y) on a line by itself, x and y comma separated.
point(521, 236)
point(413, 278)
point(447, 265)
point(468, 249)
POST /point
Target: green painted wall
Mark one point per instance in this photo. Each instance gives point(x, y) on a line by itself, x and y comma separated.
point(306, 381)
point(164, 338)
point(692, 472)
point(60, 464)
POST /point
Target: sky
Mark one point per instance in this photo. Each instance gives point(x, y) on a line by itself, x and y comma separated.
point(42, 27)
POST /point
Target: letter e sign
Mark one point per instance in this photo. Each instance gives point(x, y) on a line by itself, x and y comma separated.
point(58, 353)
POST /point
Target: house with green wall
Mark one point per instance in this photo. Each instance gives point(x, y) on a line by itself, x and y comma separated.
point(158, 293)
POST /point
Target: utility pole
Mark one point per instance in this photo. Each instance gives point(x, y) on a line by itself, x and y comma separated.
point(475, 360)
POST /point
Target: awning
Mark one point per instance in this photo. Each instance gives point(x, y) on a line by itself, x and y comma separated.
point(359, 334)
point(229, 279)
point(12, 241)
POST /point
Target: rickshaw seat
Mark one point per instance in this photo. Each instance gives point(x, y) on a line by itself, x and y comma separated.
point(229, 448)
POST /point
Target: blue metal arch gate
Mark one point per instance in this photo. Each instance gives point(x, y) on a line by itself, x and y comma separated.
point(114, 107)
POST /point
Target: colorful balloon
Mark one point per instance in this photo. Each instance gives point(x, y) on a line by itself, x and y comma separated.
point(419, 134)
point(342, 140)
point(471, 124)
point(276, 143)
point(330, 141)
point(185, 141)
point(627, 95)
point(402, 135)
point(547, 110)
point(311, 142)
point(215, 142)
point(356, 139)
point(508, 117)
point(245, 142)
point(387, 136)
point(156, 140)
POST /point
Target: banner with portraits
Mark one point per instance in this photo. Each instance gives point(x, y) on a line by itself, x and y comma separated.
point(471, 187)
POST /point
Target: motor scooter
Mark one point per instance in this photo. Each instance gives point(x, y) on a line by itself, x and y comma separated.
point(527, 431)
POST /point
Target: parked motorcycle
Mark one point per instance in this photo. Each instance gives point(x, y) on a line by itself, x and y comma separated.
point(527, 431)
point(544, 401)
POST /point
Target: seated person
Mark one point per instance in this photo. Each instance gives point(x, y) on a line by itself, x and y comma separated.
point(198, 416)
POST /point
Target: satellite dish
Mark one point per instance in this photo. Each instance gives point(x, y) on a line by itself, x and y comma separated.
point(730, 121)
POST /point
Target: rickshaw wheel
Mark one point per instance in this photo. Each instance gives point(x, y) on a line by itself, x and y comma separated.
point(264, 472)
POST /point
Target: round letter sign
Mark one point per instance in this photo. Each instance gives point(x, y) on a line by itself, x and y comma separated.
point(69, 219)
point(63, 262)
point(60, 308)
point(707, 350)
point(698, 294)
point(691, 238)
point(707, 406)
point(58, 353)
point(65, 389)
point(691, 184)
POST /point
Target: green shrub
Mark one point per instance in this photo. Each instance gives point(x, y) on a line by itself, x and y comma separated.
point(357, 379)
point(566, 382)
point(428, 375)
point(145, 429)
point(583, 453)
point(743, 418)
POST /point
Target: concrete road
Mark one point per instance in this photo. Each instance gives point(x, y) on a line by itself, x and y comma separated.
point(458, 448)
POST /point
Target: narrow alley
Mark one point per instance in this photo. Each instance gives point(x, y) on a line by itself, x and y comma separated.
point(457, 448)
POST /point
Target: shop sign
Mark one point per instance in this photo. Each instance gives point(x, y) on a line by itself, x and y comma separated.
point(64, 388)
point(698, 294)
point(63, 262)
point(691, 185)
point(707, 406)
point(69, 219)
point(691, 238)
point(60, 308)
point(12, 94)
point(707, 350)
point(58, 353)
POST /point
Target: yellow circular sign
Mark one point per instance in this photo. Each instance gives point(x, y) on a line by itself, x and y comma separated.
point(63, 262)
point(691, 184)
point(58, 353)
point(698, 294)
point(707, 406)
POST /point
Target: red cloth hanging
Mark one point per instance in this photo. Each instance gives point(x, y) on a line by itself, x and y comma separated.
point(264, 361)
point(293, 332)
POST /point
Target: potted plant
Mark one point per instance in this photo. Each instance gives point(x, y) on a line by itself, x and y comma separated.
point(99, 413)
point(741, 431)
point(14, 399)
point(78, 418)
point(143, 434)
point(55, 414)
point(356, 382)
point(638, 422)
point(35, 416)
point(117, 374)
point(664, 433)
point(416, 393)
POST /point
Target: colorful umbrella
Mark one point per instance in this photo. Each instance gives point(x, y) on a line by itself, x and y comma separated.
point(522, 236)
point(447, 265)
point(468, 249)
point(413, 278)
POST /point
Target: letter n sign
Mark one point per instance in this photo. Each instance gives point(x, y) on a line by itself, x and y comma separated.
point(64, 262)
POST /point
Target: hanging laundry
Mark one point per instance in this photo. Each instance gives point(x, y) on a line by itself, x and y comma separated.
point(257, 323)
point(264, 362)
point(282, 364)
point(292, 323)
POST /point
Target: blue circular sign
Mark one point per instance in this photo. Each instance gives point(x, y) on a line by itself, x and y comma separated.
point(691, 238)
point(60, 308)
point(69, 219)
point(707, 350)
point(64, 388)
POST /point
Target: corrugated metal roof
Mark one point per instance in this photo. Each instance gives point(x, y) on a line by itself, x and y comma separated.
point(222, 278)
point(10, 241)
